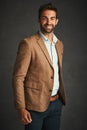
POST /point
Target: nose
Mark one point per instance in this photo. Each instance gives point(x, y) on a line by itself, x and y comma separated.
point(48, 21)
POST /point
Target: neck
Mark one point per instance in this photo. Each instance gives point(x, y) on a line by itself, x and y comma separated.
point(49, 36)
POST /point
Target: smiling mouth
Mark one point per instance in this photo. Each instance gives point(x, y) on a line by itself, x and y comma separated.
point(48, 26)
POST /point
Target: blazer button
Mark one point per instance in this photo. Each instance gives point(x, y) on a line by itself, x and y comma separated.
point(50, 90)
point(51, 77)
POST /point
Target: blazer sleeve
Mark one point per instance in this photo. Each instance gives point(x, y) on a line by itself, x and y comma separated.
point(61, 51)
point(21, 66)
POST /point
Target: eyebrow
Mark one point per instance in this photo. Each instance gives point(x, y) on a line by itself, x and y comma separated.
point(46, 17)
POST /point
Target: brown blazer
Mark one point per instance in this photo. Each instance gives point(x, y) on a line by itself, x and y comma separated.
point(33, 74)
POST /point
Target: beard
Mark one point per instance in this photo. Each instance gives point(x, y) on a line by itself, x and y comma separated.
point(47, 28)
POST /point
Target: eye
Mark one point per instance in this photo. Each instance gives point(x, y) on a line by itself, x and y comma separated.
point(53, 18)
point(43, 18)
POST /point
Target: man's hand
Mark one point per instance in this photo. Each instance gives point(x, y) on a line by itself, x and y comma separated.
point(24, 116)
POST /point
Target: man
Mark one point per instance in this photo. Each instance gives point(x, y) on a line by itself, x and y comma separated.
point(37, 78)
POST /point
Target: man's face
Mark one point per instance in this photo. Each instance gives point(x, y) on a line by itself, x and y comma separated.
point(48, 21)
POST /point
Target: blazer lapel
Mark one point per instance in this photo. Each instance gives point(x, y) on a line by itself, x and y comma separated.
point(44, 49)
point(58, 53)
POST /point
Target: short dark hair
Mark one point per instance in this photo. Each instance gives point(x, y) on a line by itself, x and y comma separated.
point(48, 6)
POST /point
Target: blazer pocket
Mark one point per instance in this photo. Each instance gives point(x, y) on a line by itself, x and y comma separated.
point(33, 85)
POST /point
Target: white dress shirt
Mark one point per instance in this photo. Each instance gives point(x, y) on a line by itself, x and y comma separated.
point(54, 57)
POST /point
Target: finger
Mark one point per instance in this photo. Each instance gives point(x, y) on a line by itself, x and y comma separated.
point(29, 117)
point(24, 121)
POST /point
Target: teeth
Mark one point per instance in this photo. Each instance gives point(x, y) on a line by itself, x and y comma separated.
point(48, 26)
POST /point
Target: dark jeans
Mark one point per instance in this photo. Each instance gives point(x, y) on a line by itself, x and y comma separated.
point(48, 120)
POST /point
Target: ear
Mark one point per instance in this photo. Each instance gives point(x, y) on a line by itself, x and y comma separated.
point(57, 20)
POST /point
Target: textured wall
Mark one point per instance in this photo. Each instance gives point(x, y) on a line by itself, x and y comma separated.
point(19, 19)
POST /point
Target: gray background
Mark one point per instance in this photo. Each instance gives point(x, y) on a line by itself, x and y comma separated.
point(18, 19)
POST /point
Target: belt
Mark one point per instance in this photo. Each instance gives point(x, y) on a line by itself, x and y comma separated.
point(53, 98)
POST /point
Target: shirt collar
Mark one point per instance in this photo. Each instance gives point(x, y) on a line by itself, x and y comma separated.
point(55, 39)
